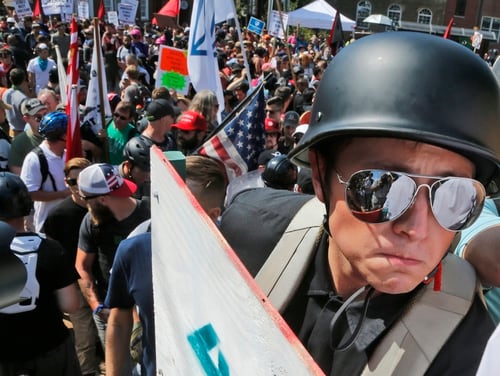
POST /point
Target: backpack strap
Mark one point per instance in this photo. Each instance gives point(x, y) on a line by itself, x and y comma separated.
point(416, 338)
point(44, 167)
point(280, 275)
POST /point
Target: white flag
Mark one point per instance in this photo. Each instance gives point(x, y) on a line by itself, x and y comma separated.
point(96, 89)
point(202, 57)
point(224, 11)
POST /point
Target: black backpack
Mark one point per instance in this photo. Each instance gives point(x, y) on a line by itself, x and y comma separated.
point(44, 167)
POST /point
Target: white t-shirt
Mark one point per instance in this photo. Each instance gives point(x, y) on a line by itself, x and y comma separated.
point(41, 76)
point(31, 174)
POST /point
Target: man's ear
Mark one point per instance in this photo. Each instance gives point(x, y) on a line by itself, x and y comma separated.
point(318, 168)
point(214, 213)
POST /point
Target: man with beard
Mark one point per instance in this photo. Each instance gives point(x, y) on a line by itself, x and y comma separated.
point(191, 131)
point(113, 213)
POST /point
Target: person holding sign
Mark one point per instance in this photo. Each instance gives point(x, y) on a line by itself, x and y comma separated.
point(381, 294)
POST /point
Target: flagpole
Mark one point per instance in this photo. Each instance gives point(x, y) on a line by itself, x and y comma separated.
point(103, 134)
point(286, 42)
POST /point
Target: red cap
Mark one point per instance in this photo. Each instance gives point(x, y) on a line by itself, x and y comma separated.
point(271, 126)
point(191, 121)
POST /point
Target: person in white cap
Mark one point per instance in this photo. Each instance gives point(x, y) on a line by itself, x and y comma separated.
point(113, 214)
point(39, 68)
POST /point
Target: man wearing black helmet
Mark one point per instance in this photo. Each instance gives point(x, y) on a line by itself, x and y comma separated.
point(43, 167)
point(380, 294)
point(136, 166)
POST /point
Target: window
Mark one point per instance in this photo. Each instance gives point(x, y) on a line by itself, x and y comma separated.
point(491, 24)
point(460, 8)
point(424, 16)
point(394, 12)
point(363, 10)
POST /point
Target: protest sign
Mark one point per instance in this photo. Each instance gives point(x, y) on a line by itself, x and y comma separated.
point(172, 71)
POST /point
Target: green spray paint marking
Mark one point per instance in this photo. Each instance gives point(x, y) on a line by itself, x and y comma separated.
point(173, 80)
point(202, 341)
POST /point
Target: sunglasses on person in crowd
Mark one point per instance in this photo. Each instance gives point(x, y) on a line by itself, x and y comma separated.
point(121, 117)
point(378, 196)
point(71, 181)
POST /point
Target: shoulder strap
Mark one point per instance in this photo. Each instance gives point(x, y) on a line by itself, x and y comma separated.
point(280, 275)
point(416, 338)
point(44, 167)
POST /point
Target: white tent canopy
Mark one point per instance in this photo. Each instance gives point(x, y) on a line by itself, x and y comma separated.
point(318, 15)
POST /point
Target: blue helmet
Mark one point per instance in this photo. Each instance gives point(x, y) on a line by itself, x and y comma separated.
point(53, 125)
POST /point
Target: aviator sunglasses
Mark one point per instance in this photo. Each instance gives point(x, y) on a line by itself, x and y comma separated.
point(378, 196)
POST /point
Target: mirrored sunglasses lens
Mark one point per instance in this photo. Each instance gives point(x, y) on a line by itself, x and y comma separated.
point(377, 196)
point(457, 202)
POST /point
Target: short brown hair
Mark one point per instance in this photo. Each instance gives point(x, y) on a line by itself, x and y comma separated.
point(76, 163)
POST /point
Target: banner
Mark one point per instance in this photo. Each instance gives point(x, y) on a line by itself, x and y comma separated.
point(172, 71)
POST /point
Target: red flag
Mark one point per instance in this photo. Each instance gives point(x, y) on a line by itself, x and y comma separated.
point(73, 138)
point(447, 32)
point(37, 11)
point(336, 37)
point(167, 15)
point(101, 11)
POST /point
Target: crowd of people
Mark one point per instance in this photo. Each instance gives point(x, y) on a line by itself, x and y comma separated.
point(371, 122)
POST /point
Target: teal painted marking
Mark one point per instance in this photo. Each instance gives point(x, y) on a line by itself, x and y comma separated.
point(202, 341)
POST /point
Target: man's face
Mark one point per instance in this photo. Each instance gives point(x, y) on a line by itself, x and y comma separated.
point(99, 212)
point(50, 101)
point(393, 257)
point(121, 117)
point(274, 112)
point(127, 41)
point(288, 131)
point(139, 176)
point(34, 120)
point(271, 140)
point(188, 140)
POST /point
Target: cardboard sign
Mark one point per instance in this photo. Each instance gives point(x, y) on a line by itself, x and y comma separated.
point(275, 28)
point(256, 26)
point(210, 316)
point(23, 8)
point(172, 69)
point(127, 13)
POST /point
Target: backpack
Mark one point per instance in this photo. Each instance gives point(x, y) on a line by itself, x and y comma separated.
point(26, 249)
point(44, 167)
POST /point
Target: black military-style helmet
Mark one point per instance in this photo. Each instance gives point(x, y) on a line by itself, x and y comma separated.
point(15, 200)
point(136, 151)
point(279, 173)
point(412, 86)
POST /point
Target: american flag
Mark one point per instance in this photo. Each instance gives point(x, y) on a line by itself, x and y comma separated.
point(240, 138)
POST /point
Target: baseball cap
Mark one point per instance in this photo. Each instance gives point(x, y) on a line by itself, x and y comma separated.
point(103, 179)
point(271, 126)
point(242, 85)
point(301, 129)
point(42, 46)
point(191, 121)
point(159, 108)
point(291, 119)
point(266, 155)
point(31, 106)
